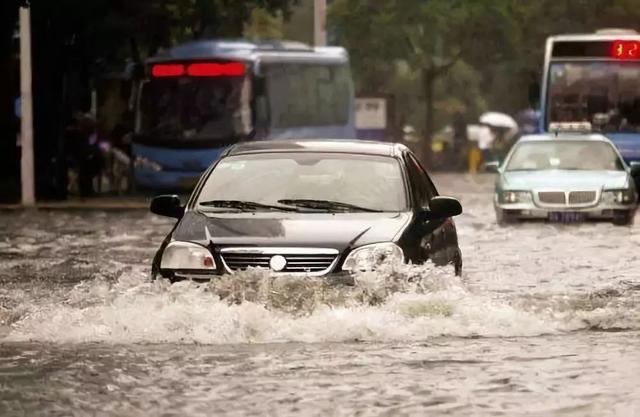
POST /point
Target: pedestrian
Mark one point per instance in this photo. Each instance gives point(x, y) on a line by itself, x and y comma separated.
point(460, 140)
point(486, 141)
point(90, 156)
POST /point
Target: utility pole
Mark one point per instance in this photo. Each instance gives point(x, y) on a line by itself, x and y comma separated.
point(27, 172)
point(320, 22)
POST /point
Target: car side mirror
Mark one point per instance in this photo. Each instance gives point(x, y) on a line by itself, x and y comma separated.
point(492, 166)
point(167, 205)
point(441, 208)
point(635, 168)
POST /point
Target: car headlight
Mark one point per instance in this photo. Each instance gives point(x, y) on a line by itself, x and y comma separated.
point(619, 196)
point(146, 163)
point(187, 255)
point(367, 258)
point(516, 197)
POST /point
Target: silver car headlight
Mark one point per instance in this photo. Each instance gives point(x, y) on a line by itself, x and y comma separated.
point(513, 197)
point(369, 257)
point(619, 196)
point(145, 163)
point(187, 255)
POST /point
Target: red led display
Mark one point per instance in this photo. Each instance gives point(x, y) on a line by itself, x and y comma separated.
point(199, 69)
point(625, 49)
point(210, 69)
point(167, 70)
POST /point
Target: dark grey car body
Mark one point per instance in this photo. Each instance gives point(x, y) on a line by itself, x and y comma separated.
point(421, 233)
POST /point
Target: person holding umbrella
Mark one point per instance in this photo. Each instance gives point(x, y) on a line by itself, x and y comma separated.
point(495, 140)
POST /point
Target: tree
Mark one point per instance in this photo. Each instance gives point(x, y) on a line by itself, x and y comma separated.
point(430, 37)
point(263, 25)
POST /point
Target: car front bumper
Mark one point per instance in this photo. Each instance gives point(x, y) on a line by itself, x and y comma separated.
point(340, 277)
point(531, 211)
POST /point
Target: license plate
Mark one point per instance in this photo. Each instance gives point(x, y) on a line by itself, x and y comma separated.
point(566, 217)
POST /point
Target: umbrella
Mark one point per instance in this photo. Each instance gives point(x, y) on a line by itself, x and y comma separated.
point(496, 119)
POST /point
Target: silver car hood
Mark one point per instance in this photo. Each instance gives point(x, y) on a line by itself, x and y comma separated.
point(565, 180)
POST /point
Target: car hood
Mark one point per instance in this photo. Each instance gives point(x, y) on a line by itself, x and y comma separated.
point(569, 180)
point(326, 230)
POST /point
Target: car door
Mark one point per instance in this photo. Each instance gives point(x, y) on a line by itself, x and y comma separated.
point(436, 239)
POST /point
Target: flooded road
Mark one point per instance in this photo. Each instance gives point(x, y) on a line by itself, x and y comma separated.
point(544, 321)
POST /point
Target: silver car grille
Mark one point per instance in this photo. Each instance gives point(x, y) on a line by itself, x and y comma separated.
point(568, 198)
point(582, 197)
point(552, 197)
point(316, 261)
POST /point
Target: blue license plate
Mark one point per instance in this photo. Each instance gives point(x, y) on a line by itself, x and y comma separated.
point(566, 217)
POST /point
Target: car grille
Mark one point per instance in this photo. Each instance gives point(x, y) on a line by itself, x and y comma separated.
point(582, 197)
point(311, 260)
point(552, 197)
point(567, 199)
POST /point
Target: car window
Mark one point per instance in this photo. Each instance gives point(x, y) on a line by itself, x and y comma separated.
point(369, 181)
point(422, 185)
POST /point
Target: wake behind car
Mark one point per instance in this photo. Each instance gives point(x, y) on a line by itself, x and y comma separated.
point(316, 207)
point(565, 177)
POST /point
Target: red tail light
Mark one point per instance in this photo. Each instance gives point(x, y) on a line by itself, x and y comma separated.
point(210, 69)
point(167, 70)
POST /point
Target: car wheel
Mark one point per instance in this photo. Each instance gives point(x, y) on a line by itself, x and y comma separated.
point(458, 268)
point(503, 218)
point(624, 219)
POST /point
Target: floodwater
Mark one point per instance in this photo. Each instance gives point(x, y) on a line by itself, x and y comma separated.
point(545, 321)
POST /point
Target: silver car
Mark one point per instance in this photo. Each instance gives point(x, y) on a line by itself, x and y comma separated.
point(565, 178)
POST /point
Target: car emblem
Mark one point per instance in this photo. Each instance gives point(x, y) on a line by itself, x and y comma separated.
point(277, 263)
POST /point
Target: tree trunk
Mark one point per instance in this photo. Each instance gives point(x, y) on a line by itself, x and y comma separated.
point(428, 78)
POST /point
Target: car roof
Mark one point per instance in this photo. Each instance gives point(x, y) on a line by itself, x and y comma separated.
point(592, 137)
point(353, 146)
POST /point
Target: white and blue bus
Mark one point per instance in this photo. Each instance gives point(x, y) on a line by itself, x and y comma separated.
point(594, 79)
point(200, 97)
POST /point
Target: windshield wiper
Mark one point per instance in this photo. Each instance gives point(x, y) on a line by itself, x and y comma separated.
point(326, 205)
point(244, 205)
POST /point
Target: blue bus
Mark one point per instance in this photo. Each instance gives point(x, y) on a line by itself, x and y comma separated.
point(594, 80)
point(200, 97)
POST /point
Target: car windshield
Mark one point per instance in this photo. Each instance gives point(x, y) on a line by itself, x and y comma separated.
point(371, 182)
point(567, 155)
point(195, 109)
point(606, 94)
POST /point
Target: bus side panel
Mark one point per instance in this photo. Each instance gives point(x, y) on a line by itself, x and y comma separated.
point(628, 145)
point(159, 168)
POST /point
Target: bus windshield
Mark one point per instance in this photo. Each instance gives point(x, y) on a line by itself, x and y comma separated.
point(200, 108)
point(604, 93)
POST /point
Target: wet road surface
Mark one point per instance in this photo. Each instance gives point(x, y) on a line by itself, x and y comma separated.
point(544, 321)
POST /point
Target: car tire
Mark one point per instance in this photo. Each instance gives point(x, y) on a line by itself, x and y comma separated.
point(624, 219)
point(458, 267)
point(504, 219)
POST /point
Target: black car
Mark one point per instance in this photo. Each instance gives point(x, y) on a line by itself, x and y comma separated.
point(316, 207)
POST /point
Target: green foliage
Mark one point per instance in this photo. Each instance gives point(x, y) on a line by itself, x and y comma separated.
point(263, 25)
point(116, 29)
point(482, 54)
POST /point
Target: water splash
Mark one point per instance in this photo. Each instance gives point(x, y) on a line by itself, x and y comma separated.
point(390, 304)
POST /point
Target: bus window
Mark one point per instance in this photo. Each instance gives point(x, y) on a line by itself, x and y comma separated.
point(606, 94)
point(200, 108)
point(308, 95)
